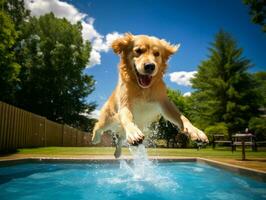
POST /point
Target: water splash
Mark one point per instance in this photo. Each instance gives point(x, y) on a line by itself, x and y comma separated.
point(139, 175)
point(142, 172)
point(141, 164)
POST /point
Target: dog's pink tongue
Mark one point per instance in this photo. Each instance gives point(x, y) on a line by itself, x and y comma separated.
point(145, 80)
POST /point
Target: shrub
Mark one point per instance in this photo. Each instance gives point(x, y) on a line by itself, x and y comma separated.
point(258, 127)
point(183, 140)
point(218, 128)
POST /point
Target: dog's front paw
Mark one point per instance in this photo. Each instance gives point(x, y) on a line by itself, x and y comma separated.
point(134, 135)
point(203, 137)
point(195, 133)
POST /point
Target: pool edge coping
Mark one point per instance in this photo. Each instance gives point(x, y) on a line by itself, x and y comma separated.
point(245, 171)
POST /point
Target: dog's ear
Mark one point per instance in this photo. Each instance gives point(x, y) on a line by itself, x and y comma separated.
point(169, 49)
point(120, 44)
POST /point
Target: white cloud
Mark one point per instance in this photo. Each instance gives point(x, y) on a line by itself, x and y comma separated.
point(100, 43)
point(59, 8)
point(187, 94)
point(95, 114)
point(88, 30)
point(182, 77)
point(95, 58)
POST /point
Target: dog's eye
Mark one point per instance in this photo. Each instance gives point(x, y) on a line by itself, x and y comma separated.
point(138, 51)
point(156, 54)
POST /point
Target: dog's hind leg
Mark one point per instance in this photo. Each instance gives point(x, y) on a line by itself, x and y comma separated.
point(118, 147)
point(105, 123)
point(97, 132)
point(99, 128)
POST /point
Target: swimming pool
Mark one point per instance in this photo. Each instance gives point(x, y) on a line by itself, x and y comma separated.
point(122, 180)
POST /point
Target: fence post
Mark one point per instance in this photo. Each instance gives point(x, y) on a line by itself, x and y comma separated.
point(2, 117)
point(63, 133)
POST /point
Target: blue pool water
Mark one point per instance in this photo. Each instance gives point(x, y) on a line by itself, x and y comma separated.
point(121, 180)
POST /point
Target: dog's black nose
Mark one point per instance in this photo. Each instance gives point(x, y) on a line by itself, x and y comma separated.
point(149, 67)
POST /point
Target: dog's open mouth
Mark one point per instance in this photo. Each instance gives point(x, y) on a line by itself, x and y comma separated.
point(144, 81)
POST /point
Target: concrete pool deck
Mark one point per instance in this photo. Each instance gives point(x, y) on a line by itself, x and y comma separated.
point(232, 165)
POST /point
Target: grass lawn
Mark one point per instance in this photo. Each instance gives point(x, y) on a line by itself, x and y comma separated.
point(86, 151)
point(255, 160)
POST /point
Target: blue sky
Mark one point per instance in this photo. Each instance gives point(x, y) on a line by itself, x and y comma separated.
point(191, 23)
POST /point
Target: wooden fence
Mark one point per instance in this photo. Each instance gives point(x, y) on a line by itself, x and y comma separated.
point(23, 129)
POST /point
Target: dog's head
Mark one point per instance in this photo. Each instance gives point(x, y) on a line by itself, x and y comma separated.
point(145, 57)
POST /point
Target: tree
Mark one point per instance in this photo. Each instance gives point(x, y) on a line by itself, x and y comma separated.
point(179, 100)
point(224, 90)
point(53, 57)
point(258, 127)
point(260, 77)
point(258, 124)
point(9, 69)
point(164, 129)
point(16, 11)
point(13, 16)
point(257, 12)
point(218, 128)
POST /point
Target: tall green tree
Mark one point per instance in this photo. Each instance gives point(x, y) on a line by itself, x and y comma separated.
point(9, 69)
point(258, 124)
point(53, 57)
point(260, 77)
point(16, 10)
point(13, 16)
point(179, 100)
point(224, 90)
point(257, 12)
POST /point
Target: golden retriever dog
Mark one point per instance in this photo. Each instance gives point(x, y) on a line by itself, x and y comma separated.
point(140, 95)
